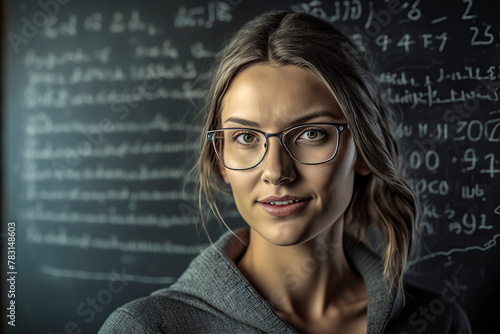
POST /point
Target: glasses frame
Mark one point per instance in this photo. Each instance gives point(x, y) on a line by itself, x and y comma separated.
point(339, 126)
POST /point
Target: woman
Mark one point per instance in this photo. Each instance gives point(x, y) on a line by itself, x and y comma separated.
point(296, 128)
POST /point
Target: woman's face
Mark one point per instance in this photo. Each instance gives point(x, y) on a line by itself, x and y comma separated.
point(272, 99)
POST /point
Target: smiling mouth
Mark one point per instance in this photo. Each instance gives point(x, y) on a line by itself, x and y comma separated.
point(283, 207)
point(283, 202)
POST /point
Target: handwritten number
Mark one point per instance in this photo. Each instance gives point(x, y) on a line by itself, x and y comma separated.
point(466, 15)
point(487, 34)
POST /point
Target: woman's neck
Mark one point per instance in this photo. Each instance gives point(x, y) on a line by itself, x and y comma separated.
point(306, 280)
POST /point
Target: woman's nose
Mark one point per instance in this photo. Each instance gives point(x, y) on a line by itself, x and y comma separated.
point(279, 167)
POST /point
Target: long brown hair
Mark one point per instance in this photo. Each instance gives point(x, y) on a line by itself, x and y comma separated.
point(383, 198)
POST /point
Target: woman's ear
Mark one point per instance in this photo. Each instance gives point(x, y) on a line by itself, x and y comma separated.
point(361, 167)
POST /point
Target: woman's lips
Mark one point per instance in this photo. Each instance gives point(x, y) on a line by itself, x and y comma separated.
point(279, 209)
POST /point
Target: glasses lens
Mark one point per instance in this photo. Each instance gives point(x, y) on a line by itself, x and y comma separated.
point(312, 144)
point(239, 149)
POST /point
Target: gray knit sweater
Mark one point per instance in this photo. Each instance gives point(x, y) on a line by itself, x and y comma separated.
point(212, 296)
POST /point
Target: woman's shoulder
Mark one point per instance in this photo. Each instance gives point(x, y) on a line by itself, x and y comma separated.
point(168, 312)
point(152, 314)
point(425, 311)
point(204, 299)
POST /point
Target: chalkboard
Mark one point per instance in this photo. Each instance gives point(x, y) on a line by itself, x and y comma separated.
point(100, 128)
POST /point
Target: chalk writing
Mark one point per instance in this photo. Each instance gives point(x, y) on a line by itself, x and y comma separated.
point(62, 238)
point(343, 10)
point(123, 194)
point(33, 173)
point(64, 98)
point(40, 214)
point(53, 59)
point(215, 11)
point(42, 124)
point(484, 247)
point(92, 275)
point(46, 150)
point(101, 116)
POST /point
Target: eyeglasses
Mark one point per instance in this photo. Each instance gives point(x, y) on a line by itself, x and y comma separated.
point(309, 144)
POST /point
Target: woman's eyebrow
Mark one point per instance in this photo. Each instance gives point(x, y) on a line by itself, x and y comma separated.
point(245, 122)
point(242, 121)
point(322, 113)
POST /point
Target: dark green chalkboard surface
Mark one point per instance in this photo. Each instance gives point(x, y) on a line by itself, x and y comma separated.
point(99, 106)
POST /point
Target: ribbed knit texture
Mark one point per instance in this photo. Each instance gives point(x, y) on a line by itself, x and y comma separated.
point(212, 296)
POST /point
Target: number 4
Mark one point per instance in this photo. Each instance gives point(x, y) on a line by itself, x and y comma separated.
point(406, 42)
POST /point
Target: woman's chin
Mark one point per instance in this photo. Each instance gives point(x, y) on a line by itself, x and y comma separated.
point(284, 234)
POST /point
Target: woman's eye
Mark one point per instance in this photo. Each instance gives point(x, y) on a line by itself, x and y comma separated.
point(245, 138)
point(312, 135)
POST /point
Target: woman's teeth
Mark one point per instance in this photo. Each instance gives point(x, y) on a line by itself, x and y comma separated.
point(284, 202)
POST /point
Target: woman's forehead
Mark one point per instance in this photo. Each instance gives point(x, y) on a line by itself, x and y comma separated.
point(287, 93)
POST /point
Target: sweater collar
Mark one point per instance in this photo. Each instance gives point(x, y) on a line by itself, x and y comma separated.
point(383, 304)
point(214, 278)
